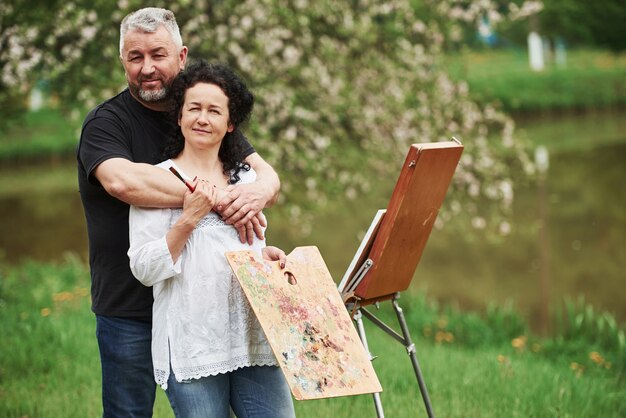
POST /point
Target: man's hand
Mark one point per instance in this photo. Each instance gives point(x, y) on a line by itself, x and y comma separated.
point(253, 228)
point(242, 203)
point(242, 208)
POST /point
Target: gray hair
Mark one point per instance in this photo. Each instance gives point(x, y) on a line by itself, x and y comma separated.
point(148, 20)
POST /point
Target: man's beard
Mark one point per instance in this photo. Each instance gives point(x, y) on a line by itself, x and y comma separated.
point(153, 95)
point(150, 96)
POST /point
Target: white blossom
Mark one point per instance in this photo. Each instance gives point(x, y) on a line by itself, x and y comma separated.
point(326, 79)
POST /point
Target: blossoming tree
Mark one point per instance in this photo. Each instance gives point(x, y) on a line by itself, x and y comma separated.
point(342, 87)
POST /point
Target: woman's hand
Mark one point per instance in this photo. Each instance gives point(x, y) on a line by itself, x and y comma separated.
point(274, 254)
point(197, 204)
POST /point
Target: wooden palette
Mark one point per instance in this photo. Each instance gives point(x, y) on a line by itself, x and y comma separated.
point(306, 324)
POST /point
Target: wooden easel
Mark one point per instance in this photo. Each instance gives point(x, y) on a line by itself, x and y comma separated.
point(385, 262)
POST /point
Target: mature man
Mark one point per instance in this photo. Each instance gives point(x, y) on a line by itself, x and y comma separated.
point(120, 140)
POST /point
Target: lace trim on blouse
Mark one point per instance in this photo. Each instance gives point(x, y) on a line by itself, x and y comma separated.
point(210, 220)
point(198, 372)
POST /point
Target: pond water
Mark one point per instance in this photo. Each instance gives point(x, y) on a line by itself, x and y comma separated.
point(567, 239)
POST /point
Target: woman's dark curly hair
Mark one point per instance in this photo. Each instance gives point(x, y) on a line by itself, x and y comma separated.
point(240, 103)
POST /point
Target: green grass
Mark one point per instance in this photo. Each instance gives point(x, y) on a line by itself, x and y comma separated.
point(49, 363)
point(589, 79)
point(45, 133)
point(38, 179)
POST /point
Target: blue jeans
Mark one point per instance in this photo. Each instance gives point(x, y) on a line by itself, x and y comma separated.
point(128, 386)
point(251, 392)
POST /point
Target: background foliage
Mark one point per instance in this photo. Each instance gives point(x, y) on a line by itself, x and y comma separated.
point(339, 85)
point(576, 22)
point(342, 87)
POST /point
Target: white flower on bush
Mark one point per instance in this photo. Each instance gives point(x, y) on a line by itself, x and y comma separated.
point(328, 77)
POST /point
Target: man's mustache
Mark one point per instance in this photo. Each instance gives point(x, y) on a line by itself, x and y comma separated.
point(151, 78)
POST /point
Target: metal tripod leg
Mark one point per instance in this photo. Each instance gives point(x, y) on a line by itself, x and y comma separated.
point(410, 348)
point(361, 330)
point(405, 340)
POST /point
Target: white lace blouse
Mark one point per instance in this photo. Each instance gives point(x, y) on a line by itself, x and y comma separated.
point(202, 321)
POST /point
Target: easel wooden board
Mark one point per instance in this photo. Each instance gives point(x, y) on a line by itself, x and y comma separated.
point(347, 284)
point(306, 324)
point(401, 237)
point(386, 260)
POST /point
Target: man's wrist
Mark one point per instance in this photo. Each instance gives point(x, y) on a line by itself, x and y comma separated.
point(268, 192)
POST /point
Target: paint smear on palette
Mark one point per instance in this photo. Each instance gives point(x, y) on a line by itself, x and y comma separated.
point(307, 325)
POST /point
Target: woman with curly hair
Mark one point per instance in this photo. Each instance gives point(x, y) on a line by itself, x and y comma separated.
point(208, 349)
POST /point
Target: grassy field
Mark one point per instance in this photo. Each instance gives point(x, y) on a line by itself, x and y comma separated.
point(44, 133)
point(474, 365)
point(589, 79)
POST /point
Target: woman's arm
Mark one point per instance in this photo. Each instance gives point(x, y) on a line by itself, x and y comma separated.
point(196, 206)
point(149, 256)
point(155, 249)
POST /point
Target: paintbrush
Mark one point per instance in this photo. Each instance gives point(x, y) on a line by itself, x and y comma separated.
point(177, 174)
